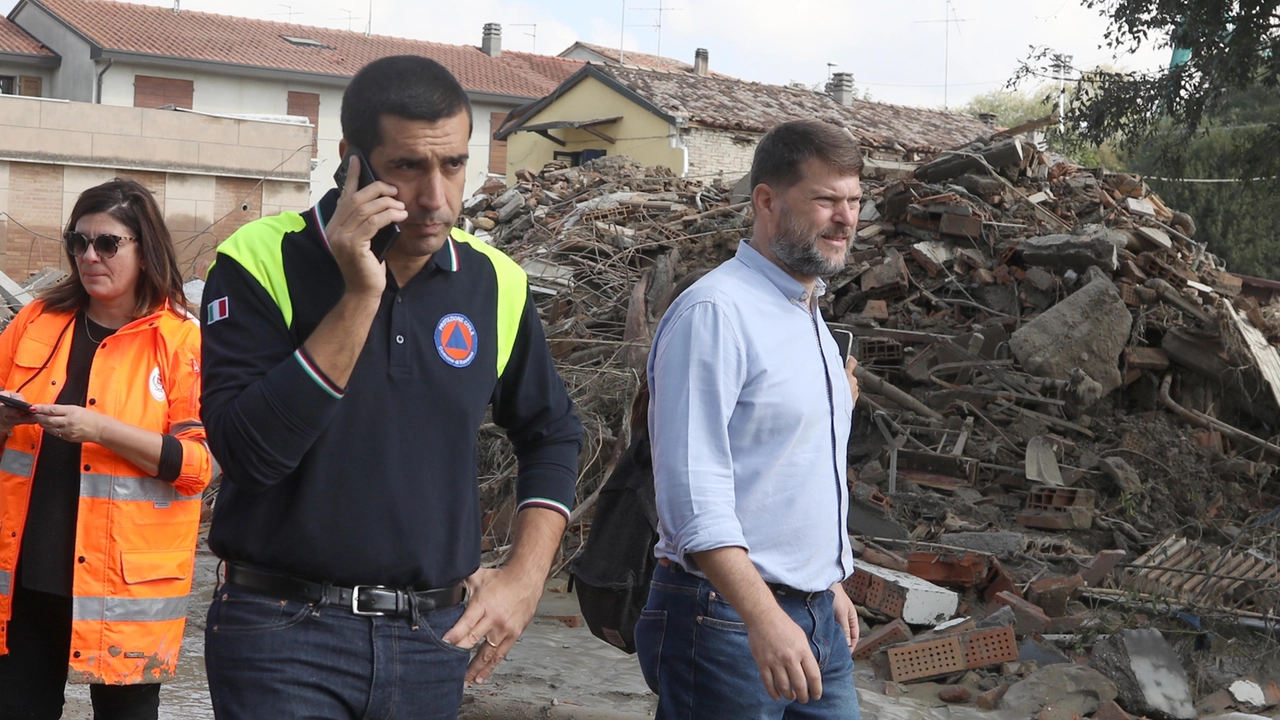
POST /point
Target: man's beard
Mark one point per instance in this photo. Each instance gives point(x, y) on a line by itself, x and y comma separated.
point(796, 246)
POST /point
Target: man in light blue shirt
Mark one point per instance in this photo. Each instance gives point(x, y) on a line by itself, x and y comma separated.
point(749, 419)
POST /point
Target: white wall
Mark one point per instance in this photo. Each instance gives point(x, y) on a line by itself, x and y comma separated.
point(17, 70)
point(225, 94)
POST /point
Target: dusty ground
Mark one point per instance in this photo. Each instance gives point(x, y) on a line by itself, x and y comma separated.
point(566, 671)
point(553, 672)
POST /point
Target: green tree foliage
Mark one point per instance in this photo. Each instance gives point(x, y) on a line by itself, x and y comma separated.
point(1233, 46)
point(1012, 107)
point(1240, 221)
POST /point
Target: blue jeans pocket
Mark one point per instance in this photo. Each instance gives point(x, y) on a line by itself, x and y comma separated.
point(721, 615)
point(650, 631)
point(236, 610)
point(439, 622)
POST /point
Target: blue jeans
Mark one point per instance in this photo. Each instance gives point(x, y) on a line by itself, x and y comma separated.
point(694, 654)
point(272, 658)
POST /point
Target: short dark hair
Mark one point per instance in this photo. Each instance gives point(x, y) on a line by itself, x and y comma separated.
point(786, 147)
point(134, 207)
point(407, 86)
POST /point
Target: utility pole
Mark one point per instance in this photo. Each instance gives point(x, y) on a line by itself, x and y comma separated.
point(622, 39)
point(368, 27)
point(1063, 63)
point(949, 18)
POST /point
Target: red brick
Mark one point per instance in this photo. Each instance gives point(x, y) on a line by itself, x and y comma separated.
point(1101, 565)
point(1109, 710)
point(991, 698)
point(955, 694)
point(969, 226)
point(1030, 618)
point(1146, 358)
point(890, 634)
point(1053, 594)
point(1066, 623)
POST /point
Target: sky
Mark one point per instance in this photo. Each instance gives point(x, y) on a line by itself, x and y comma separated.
point(899, 51)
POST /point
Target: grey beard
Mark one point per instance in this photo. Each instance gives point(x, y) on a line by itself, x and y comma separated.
point(798, 250)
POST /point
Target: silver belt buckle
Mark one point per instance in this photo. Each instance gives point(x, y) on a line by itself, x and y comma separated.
point(355, 600)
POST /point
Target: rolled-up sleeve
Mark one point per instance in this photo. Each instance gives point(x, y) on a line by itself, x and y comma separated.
point(697, 369)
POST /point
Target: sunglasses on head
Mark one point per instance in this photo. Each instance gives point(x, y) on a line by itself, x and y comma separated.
point(104, 245)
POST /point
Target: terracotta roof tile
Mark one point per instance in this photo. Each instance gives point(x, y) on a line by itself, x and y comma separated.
point(14, 39)
point(639, 59)
point(731, 104)
point(556, 69)
point(260, 43)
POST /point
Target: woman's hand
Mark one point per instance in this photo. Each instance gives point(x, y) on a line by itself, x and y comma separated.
point(12, 417)
point(71, 422)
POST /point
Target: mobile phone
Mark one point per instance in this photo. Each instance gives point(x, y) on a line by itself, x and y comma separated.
point(386, 237)
point(844, 340)
point(15, 403)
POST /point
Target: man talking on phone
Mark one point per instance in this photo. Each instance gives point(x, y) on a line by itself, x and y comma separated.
point(343, 396)
point(749, 418)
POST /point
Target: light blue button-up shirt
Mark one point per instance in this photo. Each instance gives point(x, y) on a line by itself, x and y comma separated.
point(749, 419)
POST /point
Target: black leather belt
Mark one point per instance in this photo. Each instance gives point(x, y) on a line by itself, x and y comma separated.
point(777, 588)
point(361, 599)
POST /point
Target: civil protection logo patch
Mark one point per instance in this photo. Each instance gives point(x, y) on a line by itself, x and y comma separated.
point(456, 340)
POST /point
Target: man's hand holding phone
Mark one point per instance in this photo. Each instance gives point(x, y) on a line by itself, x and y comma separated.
point(360, 214)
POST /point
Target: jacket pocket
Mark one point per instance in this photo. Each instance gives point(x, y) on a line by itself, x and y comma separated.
point(140, 567)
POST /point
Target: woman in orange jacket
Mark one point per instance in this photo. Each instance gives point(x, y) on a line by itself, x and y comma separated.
point(100, 478)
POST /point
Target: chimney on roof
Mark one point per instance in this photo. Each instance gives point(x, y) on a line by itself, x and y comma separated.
point(701, 62)
point(988, 118)
point(177, 6)
point(491, 44)
point(840, 87)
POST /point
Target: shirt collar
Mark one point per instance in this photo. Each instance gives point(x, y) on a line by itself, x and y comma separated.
point(446, 258)
point(787, 285)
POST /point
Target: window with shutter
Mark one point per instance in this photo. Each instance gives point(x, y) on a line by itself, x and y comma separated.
point(31, 85)
point(497, 148)
point(156, 92)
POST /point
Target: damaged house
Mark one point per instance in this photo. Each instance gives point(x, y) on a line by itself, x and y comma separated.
point(705, 125)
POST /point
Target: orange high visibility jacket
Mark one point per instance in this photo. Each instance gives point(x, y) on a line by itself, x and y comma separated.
point(135, 535)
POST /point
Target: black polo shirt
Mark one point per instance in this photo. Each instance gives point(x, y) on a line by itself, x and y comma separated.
point(374, 483)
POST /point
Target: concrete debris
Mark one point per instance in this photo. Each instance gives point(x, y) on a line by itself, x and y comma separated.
point(898, 594)
point(1054, 374)
point(1147, 673)
point(1068, 688)
point(1087, 331)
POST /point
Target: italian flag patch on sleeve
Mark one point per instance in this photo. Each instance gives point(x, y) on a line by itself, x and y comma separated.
point(218, 310)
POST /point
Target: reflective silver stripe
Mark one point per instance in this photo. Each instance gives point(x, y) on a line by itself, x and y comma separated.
point(129, 609)
point(93, 485)
point(5, 581)
point(184, 426)
point(17, 462)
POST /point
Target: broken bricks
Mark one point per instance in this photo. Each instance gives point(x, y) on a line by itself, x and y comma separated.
point(923, 659)
point(900, 595)
point(1058, 508)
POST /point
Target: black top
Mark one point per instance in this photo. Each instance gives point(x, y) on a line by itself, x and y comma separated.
point(374, 483)
point(49, 538)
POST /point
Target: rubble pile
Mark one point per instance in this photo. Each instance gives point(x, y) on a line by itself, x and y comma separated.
point(1068, 403)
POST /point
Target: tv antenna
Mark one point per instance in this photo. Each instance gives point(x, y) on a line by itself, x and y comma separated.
point(289, 11)
point(351, 17)
point(657, 25)
point(949, 18)
point(533, 34)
